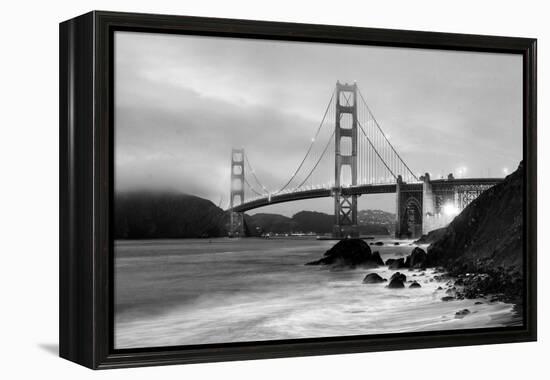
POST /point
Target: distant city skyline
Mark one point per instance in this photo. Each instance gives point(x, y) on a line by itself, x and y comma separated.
point(182, 103)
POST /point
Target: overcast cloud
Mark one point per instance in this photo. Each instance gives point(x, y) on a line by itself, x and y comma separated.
point(182, 103)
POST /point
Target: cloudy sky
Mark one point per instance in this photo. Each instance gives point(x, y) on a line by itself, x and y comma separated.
point(182, 103)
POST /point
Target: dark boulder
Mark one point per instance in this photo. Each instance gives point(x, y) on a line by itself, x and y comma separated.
point(447, 298)
point(400, 276)
point(417, 259)
point(373, 278)
point(379, 243)
point(462, 313)
point(396, 283)
point(397, 264)
point(349, 253)
point(451, 290)
point(415, 285)
point(375, 258)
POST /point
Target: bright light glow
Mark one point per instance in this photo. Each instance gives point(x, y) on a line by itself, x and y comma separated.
point(505, 171)
point(461, 171)
point(450, 209)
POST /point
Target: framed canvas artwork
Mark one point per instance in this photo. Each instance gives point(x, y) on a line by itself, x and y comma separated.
point(238, 189)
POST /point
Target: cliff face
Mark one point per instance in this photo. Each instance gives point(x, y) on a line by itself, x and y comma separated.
point(431, 236)
point(143, 215)
point(488, 234)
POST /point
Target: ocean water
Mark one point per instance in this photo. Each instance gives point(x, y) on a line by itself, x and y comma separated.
point(199, 291)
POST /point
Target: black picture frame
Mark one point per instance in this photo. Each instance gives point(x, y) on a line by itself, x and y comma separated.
point(86, 178)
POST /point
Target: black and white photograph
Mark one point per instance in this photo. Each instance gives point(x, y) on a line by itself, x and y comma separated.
point(275, 190)
point(270, 190)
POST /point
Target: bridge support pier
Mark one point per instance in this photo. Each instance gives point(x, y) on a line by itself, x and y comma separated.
point(408, 213)
point(236, 224)
point(236, 219)
point(398, 208)
point(429, 216)
point(345, 206)
point(346, 216)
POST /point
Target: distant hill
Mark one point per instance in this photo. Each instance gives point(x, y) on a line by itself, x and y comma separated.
point(263, 222)
point(377, 218)
point(146, 215)
point(312, 221)
point(158, 215)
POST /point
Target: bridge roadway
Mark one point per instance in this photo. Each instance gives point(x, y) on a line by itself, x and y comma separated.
point(360, 190)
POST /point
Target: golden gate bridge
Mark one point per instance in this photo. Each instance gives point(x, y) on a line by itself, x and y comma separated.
point(350, 155)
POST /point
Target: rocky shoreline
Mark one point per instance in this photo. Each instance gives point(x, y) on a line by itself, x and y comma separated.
point(499, 285)
point(482, 247)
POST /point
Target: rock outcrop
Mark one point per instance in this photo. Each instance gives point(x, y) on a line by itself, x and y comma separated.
point(487, 233)
point(462, 313)
point(396, 263)
point(396, 283)
point(373, 278)
point(431, 236)
point(415, 284)
point(487, 237)
point(417, 259)
point(350, 253)
point(399, 276)
point(377, 259)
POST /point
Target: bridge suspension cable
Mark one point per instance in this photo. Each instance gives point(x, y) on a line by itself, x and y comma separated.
point(386, 140)
point(330, 141)
point(375, 151)
point(375, 159)
point(252, 188)
point(310, 145)
point(251, 169)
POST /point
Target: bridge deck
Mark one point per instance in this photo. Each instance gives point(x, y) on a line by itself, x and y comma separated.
point(358, 190)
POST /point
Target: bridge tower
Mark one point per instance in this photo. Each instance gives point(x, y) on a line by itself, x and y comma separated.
point(236, 219)
point(345, 205)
